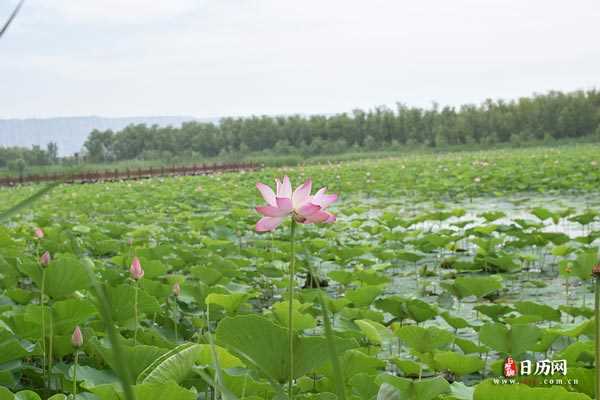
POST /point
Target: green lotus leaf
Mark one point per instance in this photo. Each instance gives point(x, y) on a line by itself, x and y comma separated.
point(262, 345)
point(396, 388)
point(488, 390)
point(513, 340)
point(424, 340)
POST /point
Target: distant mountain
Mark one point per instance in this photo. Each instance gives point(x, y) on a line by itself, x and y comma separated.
point(71, 132)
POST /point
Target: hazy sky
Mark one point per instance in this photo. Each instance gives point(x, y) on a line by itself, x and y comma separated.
point(238, 57)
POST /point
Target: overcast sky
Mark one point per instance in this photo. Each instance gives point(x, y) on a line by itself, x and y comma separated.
point(211, 58)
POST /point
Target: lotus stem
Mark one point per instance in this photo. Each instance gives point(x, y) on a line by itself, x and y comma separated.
point(75, 373)
point(135, 311)
point(176, 335)
point(597, 339)
point(43, 322)
point(50, 345)
point(567, 291)
point(290, 307)
point(175, 320)
point(215, 356)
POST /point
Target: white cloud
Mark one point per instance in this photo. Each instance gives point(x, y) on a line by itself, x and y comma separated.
point(117, 11)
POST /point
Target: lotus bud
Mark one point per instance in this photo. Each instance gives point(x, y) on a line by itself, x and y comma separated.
point(39, 233)
point(569, 268)
point(136, 270)
point(596, 270)
point(77, 337)
point(45, 259)
point(176, 289)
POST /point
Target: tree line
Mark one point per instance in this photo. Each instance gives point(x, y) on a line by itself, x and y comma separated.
point(543, 117)
point(554, 115)
point(18, 158)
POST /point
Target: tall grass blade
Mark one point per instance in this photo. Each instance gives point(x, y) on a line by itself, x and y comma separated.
point(11, 18)
point(272, 381)
point(335, 362)
point(28, 202)
point(213, 349)
point(105, 313)
point(175, 365)
point(216, 385)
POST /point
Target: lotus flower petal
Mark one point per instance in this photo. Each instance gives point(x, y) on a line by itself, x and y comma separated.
point(308, 209)
point(302, 194)
point(322, 199)
point(284, 189)
point(331, 218)
point(267, 224)
point(267, 194)
point(285, 204)
point(269, 211)
point(320, 216)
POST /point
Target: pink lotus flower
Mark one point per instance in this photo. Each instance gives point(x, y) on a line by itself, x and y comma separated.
point(45, 259)
point(176, 289)
point(136, 270)
point(39, 233)
point(303, 207)
point(77, 337)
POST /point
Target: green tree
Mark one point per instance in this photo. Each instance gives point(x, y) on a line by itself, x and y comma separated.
point(18, 166)
point(52, 150)
point(99, 146)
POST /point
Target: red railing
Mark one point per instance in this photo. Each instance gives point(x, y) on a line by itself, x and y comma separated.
point(114, 175)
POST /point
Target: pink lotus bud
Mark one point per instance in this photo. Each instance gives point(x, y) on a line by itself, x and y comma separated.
point(130, 241)
point(77, 337)
point(596, 270)
point(45, 259)
point(176, 289)
point(39, 233)
point(136, 270)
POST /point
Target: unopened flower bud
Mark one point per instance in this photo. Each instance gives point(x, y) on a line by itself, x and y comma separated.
point(77, 337)
point(136, 270)
point(45, 259)
point(39, 233)
point(176, 289)
point(596, 271)
point(569, 268)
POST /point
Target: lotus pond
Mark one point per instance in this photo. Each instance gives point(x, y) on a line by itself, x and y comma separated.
point(436, 270)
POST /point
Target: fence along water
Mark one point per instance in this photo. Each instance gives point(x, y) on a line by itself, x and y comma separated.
point(127, 174)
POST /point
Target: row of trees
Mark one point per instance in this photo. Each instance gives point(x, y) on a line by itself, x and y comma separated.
point(554, 115)
point(17, 158)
